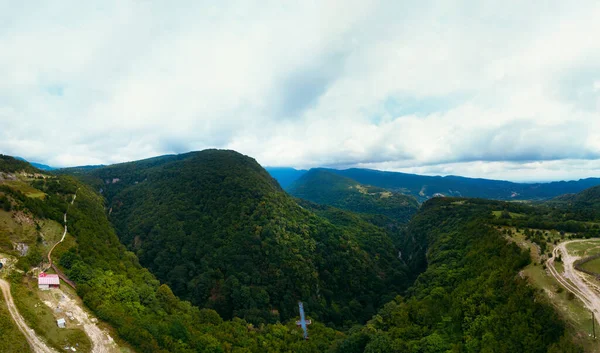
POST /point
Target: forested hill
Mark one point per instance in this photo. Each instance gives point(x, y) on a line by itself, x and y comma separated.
point(583, 205)
point(470, 298)
point(111, 281)
point(9, 164)
point(258, 244)
point(424, 187)
point(221, 233)
point(327, 188)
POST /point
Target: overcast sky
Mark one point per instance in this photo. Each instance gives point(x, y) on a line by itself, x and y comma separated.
point(496, 89)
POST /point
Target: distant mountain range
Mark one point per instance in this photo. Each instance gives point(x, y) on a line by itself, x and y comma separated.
point(37, 165)
point(285, 176)
point(424, 187)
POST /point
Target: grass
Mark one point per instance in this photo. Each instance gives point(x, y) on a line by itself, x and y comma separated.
point(11, 339)
point(585, 248)
point(593, 266)
point(498, 214)
point(18, 230)
point(25, 188)
point(14, 231)
point(42, 319)
point(572, 310)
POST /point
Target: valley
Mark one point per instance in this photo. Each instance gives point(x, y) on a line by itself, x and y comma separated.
point(205, 244)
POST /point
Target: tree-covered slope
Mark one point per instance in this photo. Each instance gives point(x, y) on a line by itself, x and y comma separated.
point(470, 298)
point(121, 292)
point(327, 188)
point(10, 164)
point(221, 233)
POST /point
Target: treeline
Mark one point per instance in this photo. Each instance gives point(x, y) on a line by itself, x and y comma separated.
point(563, 217)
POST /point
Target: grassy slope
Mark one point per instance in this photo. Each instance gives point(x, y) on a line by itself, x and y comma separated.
point(570, 309)
point(19, 226)
point(593, 265)
point(41, 318)
point(11, 339)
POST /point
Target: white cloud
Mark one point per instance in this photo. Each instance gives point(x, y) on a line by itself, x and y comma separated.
point(467, 87)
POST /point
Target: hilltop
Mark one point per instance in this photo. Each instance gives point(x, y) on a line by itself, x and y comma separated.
point(220, 231)
point(327, 188)
point(215, 227)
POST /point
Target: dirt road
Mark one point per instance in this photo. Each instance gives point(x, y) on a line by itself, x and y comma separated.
point(37, 344)
point(64, 233)
point(572, 279)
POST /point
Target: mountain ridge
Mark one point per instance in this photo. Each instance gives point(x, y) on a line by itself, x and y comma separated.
point(327, 188)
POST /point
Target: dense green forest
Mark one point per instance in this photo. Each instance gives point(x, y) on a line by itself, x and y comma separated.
point(327, 188)
point(467, 298)
point(9, 164)
point(120, 291)
point(222, 234)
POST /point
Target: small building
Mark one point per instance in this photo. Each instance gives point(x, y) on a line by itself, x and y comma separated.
point(47, 281)
point(61, 323)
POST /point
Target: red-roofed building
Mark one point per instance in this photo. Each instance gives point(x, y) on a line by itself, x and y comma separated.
point(47, 281)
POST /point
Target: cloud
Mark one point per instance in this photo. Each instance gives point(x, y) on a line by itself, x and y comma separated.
point(478, 88)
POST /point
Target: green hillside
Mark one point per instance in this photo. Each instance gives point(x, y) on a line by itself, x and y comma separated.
point(470, 298)
point(327, 188)
point(254, 239)
point(222, 234)
point(9, 164)
point(583, 205)
point(114, 285)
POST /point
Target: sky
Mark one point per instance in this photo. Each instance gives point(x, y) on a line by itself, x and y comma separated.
point(504, 90)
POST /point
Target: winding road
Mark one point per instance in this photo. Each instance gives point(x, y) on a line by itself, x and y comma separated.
point(36, 343)
point(572, 280)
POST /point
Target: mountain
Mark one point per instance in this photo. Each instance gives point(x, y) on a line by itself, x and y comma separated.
point(471, 298)
point(328, 188)
point(220, 231)
point(37, 165)
point(584, 205)
point(110, 280)
point(285, 176)
point(216, 222)
point(424, 187)
point(10, 164)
